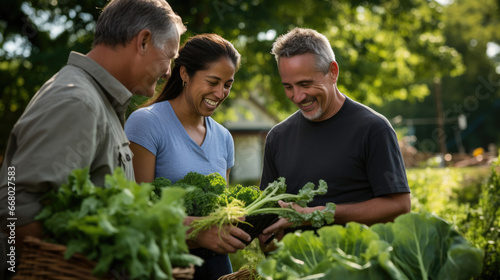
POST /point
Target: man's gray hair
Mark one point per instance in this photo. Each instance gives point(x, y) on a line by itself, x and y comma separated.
point(304, 40)
point(121, 20)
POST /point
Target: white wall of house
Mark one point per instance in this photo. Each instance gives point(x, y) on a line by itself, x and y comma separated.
point(249, 130)
point(248, 157)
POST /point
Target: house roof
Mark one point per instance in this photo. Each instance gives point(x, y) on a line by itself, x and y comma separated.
point(250, 116)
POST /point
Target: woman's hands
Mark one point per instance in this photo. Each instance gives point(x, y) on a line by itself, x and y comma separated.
point(222, 241)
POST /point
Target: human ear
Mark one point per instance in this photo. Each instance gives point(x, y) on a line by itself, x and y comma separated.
point(144, 41)
point(184, 74)
point(334, 71)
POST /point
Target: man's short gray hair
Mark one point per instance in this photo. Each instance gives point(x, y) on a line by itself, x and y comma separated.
point(121, 20)
point(304, 40)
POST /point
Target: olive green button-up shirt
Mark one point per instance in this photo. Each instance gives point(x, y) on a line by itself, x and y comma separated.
point(74, 121)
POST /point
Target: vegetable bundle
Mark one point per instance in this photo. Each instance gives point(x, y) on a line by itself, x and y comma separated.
point(218, 205)
point(207, 192)
point(415, 246)
point(121, 225)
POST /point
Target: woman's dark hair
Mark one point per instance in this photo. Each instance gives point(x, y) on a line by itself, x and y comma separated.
point(196, 54)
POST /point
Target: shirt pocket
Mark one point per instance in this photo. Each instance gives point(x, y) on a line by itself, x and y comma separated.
point(125, 159)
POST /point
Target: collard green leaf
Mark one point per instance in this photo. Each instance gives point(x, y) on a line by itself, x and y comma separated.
point(416, 250)
point(427, 247)
point(463, 262)
point(414, 246)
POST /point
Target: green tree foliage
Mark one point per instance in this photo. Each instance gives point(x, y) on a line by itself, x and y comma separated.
point(470, 26)
point(385, 49)
point(36, 54)
point(476, 93)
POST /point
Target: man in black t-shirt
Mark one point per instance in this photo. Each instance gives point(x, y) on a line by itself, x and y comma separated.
point(332, 137)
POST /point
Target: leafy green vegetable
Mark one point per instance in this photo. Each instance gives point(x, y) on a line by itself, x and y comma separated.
point(275, 191)
point(204, 191)
point(208, 197)
point(350, 252)
point(415, 246)
point(427, 247)
point(158, 184)
point(245, 194)
point(119, 225)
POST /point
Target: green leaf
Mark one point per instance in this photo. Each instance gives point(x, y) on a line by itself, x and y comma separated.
point(427, 247)
point(458, 265)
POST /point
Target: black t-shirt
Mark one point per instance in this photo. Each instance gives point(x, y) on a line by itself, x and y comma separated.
point(356, 152)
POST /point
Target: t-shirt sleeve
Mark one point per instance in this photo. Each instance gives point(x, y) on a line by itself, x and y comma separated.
point(385, 166)
point(269, 172)
point(142, 128)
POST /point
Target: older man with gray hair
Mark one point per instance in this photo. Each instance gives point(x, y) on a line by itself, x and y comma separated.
point(333, 138)
point(76, 118)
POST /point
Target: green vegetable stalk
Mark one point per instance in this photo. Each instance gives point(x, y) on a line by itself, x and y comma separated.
point(267, 203)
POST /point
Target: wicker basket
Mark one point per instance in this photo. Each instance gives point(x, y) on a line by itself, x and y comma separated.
point(42, 260)
point(243, 274)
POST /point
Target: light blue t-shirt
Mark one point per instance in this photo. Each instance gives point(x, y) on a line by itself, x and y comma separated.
point(158, 129)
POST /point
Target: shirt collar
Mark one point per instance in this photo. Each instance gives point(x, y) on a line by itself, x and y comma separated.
point(119, 95)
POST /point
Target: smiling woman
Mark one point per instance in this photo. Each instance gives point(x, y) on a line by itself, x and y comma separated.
point(211, 86)
point(173, 134)
point(200, 81)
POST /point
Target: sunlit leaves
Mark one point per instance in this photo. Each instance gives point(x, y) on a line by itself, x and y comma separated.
point(385, 49)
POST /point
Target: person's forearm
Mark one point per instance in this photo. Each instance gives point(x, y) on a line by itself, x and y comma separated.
point(378, 210)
